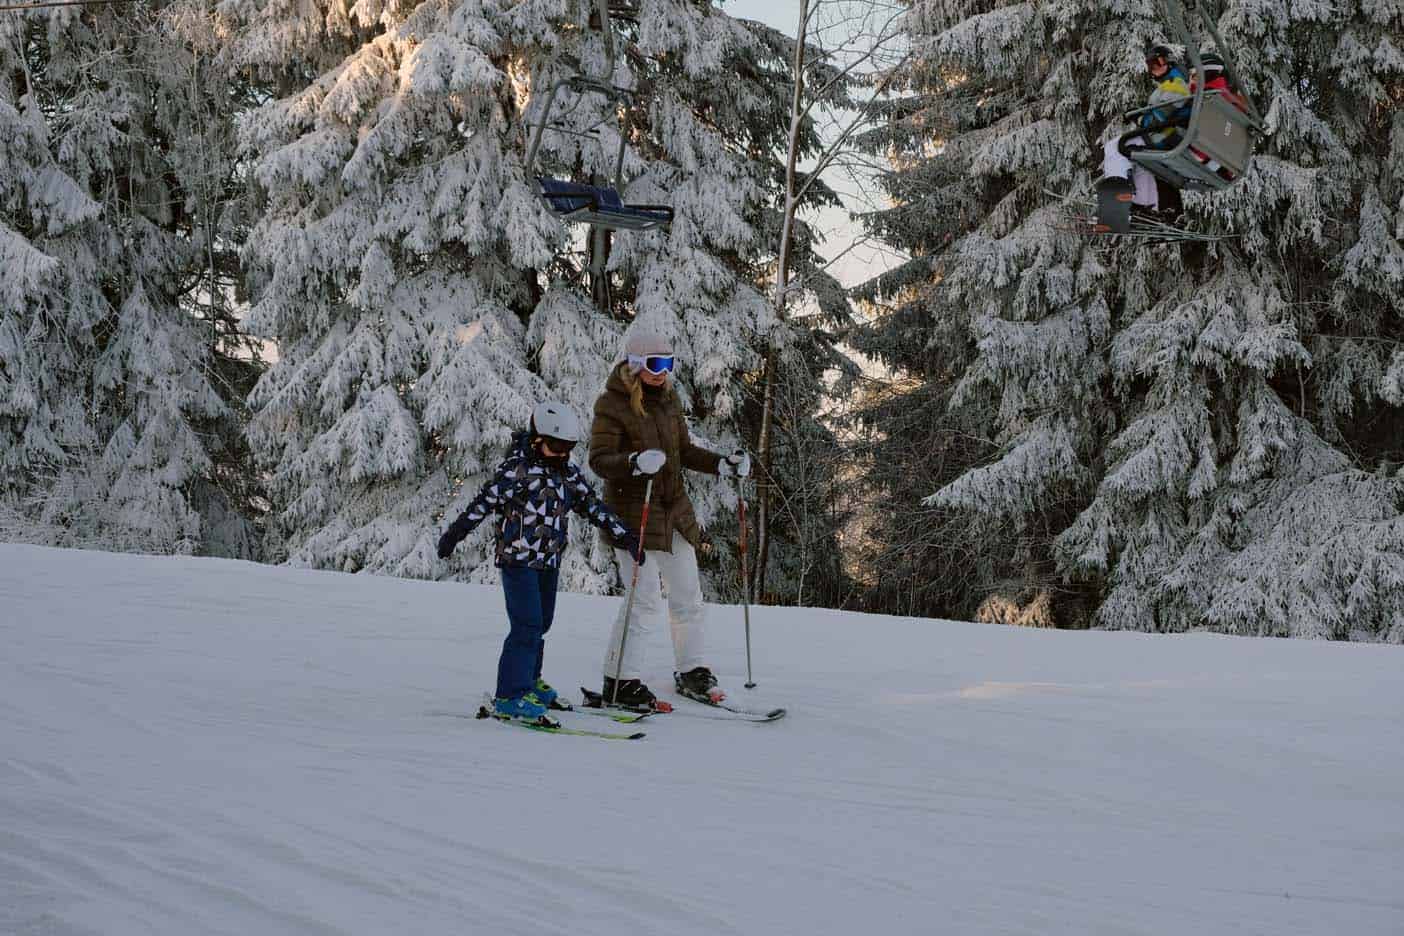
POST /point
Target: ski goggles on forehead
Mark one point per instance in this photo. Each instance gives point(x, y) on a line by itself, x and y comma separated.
point(653, 363)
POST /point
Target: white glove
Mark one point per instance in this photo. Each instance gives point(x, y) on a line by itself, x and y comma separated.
point(647, 462)
point(738, 463)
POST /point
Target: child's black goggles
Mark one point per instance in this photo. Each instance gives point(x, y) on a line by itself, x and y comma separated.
point(559, 446)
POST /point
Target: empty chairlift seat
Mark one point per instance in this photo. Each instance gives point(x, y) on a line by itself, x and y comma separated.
point(590, 204)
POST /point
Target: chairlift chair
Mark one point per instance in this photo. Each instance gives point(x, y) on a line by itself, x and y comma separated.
point(1221, 129)
point(599, 206)
point(596, 205)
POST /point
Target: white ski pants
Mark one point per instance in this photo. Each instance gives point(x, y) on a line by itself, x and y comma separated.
point(1115, 164)
point(686, 614)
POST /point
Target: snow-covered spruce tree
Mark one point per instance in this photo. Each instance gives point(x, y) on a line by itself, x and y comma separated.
point(1202, 437)
point(112, 414)
point(918, 560)
point(944, 115)
point(423, 299)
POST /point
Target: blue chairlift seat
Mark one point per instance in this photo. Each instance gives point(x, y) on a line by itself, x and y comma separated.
point(602, 207)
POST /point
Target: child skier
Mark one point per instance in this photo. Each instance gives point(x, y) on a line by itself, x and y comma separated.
point(533, 489)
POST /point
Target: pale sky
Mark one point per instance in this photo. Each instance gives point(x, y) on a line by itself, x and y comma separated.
point(865, 260)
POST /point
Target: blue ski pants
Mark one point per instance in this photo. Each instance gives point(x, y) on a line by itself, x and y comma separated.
point(531, 603)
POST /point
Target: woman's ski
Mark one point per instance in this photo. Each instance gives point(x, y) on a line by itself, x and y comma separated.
point(596, 702)
point(758, 715)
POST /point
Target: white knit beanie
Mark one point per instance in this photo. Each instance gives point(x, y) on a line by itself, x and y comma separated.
point(643, 338)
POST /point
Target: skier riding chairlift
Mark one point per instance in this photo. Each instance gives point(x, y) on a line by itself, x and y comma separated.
point(1209, 131)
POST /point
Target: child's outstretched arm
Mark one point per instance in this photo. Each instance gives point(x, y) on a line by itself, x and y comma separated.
point(589, 506)
point(491, 496)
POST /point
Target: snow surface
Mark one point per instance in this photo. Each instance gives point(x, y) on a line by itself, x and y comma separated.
point(200, 746)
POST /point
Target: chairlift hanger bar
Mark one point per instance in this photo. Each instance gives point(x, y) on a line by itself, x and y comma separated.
point(603, 84)
point(1174, 15)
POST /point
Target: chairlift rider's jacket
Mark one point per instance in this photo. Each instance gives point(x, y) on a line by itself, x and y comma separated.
point(1220, 83)
point(535, 500)
point(1171, 86)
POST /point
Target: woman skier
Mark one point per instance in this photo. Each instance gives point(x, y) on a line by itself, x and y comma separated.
point(534, 489)
point(639, 432)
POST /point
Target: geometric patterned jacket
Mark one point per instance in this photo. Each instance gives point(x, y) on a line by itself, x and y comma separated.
point(535, 500)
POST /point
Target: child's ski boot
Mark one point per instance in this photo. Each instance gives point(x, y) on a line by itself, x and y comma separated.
point(549, 697)
point(525, 708)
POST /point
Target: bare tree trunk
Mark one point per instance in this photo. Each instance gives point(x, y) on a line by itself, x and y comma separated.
point(765, 481)
point(599, 272)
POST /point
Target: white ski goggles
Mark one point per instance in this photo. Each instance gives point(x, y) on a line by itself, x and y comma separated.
point(653, 363)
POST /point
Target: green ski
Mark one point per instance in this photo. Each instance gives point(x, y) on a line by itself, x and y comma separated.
point(550, 726)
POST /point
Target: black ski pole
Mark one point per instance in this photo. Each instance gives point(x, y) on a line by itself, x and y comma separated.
point(633, 586)
point(745, 582)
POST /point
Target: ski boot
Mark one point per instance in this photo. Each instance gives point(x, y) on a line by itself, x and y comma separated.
point(525, 708)
point(632, 695)
point(1169, 204)
point(549, 697)
point(699, 683)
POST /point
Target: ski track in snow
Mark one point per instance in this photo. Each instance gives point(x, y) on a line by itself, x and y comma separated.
point(204, 746)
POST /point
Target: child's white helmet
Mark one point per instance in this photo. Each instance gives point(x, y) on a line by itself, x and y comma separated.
point(555, 420)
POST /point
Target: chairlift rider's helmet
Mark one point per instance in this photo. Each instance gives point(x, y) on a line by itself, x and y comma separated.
point(1213, 66)
point(556, 424)
point(1160, 53)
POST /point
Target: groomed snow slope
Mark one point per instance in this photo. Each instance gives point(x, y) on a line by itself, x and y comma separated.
point(192, 746)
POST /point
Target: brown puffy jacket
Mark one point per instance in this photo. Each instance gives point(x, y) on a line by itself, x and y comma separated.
point(618, 432)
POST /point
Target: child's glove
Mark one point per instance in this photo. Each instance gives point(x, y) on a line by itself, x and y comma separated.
point(451, 538)
point(738, 463)
point(446, 544)
point(647, 462)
